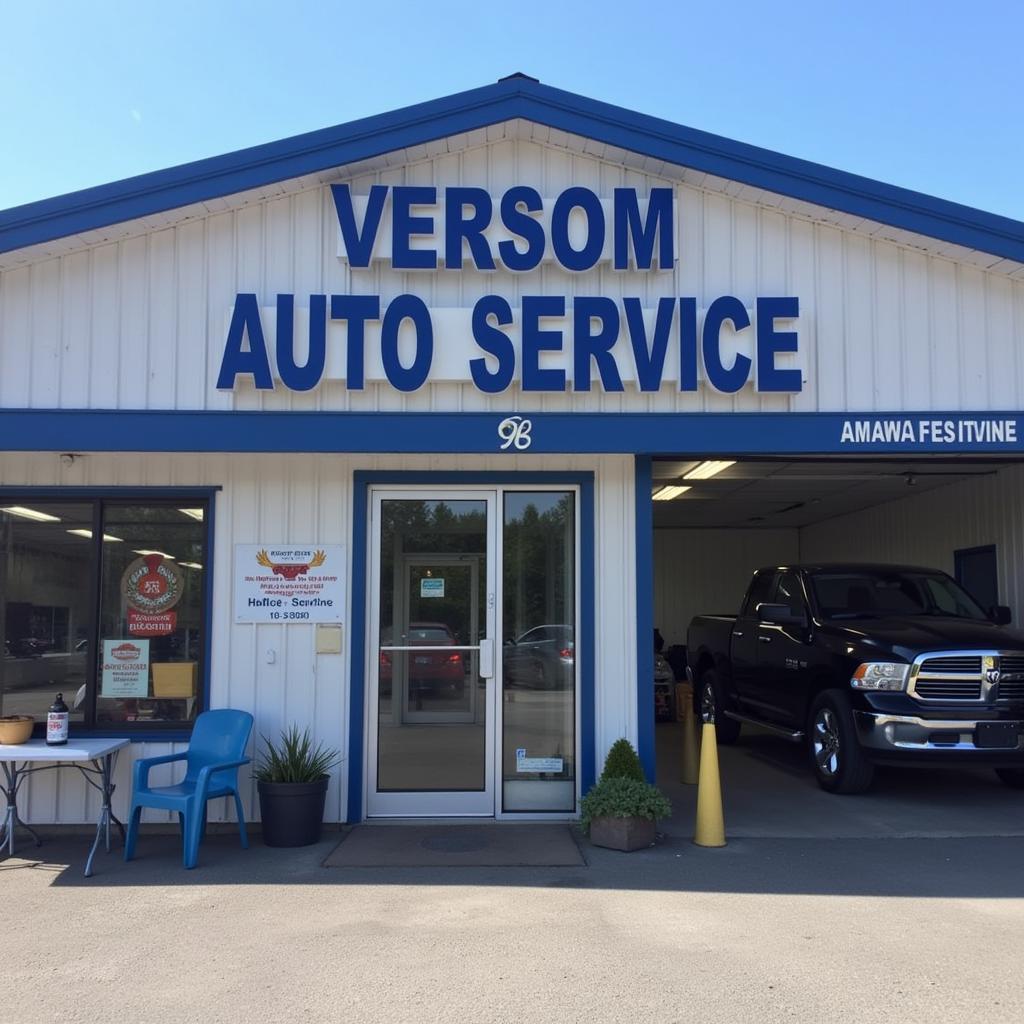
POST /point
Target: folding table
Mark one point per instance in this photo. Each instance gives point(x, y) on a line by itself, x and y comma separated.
point(94, 758)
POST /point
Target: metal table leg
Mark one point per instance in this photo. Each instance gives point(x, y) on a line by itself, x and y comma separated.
point(12, 782)
point(105, 769)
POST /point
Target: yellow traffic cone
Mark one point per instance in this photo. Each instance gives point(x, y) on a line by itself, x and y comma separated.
point(691, 745)
point(710, 829)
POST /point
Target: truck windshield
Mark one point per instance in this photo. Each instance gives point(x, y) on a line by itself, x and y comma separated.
point(866, 593)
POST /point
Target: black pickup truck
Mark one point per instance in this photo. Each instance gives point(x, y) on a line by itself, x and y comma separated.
point(866, 664)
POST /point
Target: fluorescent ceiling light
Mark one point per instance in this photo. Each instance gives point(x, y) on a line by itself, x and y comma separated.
point(191, 565)
point(708, 469)
point(144, 551)
point(670, 492)
point(31, 513)
point(193, 513)
point(88, 534)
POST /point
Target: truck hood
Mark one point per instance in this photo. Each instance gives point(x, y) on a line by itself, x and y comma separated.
point(911, 635)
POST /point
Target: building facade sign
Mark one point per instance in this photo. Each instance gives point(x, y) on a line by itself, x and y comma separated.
point(543, 343)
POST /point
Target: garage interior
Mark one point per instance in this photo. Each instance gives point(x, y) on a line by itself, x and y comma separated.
point(736, 515)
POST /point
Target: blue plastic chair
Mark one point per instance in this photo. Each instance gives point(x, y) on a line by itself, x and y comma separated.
point(214, 756)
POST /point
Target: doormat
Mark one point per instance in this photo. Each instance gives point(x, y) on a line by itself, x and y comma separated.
point(479, 846)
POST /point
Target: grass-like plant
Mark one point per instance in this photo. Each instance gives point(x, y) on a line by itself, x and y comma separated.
point(295, 758)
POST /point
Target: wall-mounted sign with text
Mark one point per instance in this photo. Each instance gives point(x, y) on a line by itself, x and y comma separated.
point(635, 336)
point(289, 584)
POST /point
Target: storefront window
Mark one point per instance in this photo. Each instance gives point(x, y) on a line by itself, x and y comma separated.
point(539, 653)
point(46, 573)
point(104, 602)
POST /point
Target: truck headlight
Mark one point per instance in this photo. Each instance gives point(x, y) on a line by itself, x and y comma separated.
point(880, 675)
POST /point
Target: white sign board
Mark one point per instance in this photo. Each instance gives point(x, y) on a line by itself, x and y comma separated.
point(125, 669)
point(290, 584)
point(432, 587)
point(551, 765)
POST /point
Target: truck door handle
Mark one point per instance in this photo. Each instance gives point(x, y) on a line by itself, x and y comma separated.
point(764, 639)
point(737, 632)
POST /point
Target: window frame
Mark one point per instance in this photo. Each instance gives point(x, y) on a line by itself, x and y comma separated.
point(172, 497)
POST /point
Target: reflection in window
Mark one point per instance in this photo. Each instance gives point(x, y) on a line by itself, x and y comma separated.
point(102, 601)
point(46, 569)
point(151, 602)
point(539, 654)
point(432, 702)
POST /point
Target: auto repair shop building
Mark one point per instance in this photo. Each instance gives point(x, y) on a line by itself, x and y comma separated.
point(360, 431)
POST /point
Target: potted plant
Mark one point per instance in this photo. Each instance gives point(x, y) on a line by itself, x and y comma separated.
point(619, 812)
point(292, 779)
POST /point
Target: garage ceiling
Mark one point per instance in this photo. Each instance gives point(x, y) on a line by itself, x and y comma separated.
point(769, 494)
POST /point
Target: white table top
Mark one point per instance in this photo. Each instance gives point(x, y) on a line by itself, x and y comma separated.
point(73, 750)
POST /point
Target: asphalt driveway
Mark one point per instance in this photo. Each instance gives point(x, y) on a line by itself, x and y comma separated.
point(765, 929)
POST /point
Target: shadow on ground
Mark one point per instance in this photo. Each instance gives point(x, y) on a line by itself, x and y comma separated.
point(936, 833)
point(907, 868)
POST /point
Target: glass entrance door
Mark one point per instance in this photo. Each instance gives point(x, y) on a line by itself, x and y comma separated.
point(431, 747)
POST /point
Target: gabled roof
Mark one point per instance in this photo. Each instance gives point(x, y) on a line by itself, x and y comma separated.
point(515, 97)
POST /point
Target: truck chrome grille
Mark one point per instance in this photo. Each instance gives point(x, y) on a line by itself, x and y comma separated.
point(952, 663)
point(976, 676)
point(948, 689)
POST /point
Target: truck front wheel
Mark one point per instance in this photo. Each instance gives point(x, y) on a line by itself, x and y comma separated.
point(709, 698)
point(837, 759)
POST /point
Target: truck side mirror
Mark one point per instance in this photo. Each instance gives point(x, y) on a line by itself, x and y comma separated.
point(1000, 614)
point(781, 615)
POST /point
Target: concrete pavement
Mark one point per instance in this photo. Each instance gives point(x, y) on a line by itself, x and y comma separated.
point(763, 930)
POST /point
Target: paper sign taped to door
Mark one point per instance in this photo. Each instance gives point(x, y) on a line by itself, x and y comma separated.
point(432, 587)
point(536, 764)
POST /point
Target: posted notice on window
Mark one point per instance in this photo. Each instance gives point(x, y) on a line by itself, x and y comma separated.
point(125, 669)
point(300, 584)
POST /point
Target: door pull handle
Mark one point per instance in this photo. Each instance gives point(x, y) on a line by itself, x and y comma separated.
point(486, 658)
point(765, 639)
point(737, 632)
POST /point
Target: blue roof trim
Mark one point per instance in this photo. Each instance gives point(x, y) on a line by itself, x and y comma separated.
point(517, 97)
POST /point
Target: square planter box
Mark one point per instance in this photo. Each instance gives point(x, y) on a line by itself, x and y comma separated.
point(622, 833)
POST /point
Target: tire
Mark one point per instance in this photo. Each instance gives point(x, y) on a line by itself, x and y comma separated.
point(546, 679)
point(837, 760)
point(1012, 777)
point(709, 695)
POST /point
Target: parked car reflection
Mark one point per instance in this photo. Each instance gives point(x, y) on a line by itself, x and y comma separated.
point(542, 658)
point(430, 673)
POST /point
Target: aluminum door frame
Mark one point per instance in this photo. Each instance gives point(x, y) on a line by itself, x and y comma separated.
point(447, 803)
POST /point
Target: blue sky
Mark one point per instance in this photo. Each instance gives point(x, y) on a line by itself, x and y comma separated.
point(920, 94)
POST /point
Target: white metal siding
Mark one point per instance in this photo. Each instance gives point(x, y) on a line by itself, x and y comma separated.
point(141, 322)
point(299, 499)
point(925, 529)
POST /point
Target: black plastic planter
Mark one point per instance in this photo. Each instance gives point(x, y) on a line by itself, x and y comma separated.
point(292, 812)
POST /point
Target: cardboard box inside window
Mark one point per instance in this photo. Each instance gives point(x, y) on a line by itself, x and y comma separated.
point(174, 679)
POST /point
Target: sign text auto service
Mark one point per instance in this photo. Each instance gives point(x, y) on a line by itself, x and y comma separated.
point(577, 230)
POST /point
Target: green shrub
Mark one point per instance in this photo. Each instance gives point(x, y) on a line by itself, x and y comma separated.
point(623, 762)
point(623, 798)
point(295, 760)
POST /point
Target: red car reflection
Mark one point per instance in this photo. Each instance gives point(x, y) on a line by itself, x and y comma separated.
point(431, 673)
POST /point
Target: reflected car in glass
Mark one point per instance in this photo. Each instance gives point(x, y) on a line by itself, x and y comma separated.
point(431, 673)
point(543, 658)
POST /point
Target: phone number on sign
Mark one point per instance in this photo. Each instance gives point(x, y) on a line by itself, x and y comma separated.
point(289, 615)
